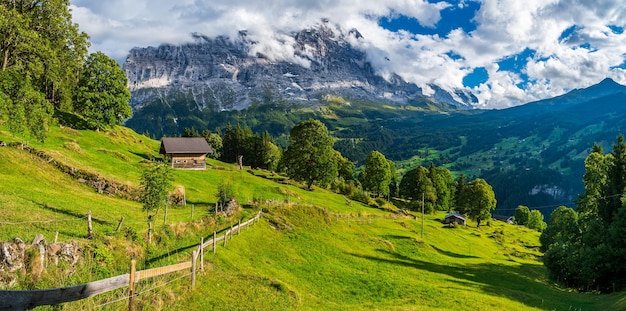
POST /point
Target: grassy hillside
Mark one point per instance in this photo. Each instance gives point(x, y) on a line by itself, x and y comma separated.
point(304, 258)
point(319, 252)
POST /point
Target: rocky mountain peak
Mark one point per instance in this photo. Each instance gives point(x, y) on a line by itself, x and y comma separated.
point(222, 73)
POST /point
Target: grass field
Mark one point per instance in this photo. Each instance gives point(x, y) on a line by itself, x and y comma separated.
point(313, 250)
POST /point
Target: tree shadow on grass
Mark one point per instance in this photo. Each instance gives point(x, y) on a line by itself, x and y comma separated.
point(397, 237)
point(75, 214)
point(72, 120)
point(145, 156)
point(152, 260)
point(516, 282)
point(44, 228)
point(451, 254)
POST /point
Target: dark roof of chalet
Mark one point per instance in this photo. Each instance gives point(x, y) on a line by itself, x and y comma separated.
point(177, 145)
point(502, 217)
point(455, 215)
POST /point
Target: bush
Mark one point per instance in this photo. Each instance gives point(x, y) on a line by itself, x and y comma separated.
point(361, 196)
point(225, 193)
point(130, 234)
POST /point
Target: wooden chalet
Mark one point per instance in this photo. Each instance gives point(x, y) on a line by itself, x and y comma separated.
point(454, 218)
point(186, 152)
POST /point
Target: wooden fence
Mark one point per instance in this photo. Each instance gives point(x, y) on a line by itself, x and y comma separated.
point(28, 299)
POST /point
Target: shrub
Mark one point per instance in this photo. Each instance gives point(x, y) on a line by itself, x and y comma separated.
point(72, 146)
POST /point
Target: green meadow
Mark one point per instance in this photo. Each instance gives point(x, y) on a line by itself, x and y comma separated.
point(312, 250)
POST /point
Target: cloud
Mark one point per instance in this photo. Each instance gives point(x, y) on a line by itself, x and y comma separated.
point(576, 43)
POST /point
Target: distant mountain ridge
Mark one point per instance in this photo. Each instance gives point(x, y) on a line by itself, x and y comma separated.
point(221, 74)
point(604, 88)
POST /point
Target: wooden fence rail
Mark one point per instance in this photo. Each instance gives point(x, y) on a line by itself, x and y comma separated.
point(28, 299)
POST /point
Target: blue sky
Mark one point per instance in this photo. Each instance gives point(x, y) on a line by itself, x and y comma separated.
point(506, 52)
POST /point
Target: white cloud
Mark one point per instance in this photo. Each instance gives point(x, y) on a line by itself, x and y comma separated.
point(503, 29)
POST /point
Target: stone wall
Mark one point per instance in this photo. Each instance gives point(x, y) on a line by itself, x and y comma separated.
point(32, 258)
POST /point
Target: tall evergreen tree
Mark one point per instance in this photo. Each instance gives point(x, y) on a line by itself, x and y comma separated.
point(616, 182)
point(229, 143)
point(595, 182)
point(461, 182)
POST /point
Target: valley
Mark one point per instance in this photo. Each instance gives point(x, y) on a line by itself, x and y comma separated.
point(539, 145)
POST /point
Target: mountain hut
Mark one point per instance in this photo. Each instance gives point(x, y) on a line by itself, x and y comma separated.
point(454, 218)
point(186, 152)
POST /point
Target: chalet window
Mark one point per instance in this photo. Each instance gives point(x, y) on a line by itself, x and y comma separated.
point(177, 161)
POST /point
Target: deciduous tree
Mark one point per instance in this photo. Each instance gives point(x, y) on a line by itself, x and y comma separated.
point(444, 184)
point(41, 53)
point(562, 227)
point(376, 175)
point(215, 141)
point(535, 220)
point(416, 184)
point(345, 167)
point(477, 200)
point(309, 156)
point(522, 213)
point(102, 96)
point(155, 184)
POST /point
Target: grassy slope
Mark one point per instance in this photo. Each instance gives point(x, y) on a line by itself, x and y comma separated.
point(328, 264)
point(298, 257)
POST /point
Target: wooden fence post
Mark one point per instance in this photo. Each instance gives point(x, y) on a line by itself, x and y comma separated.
point(56, 237)
point(193, 268)
point(225, 237)
point(165, 215)
point(231, 232)
point(202, 254)
point(214, 242)
point(131, 286)
point(239, 227)
point(120, 224)
point(149, 229)
point(192, 208)
point(89, 226)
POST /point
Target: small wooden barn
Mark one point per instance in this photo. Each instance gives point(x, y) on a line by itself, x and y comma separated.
point(186, 152)
point(507, 219)
point(454, 218)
